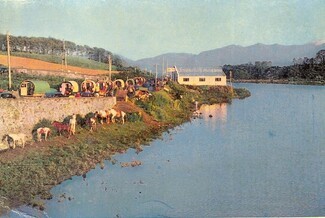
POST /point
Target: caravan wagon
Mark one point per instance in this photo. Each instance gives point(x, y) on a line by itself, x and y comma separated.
point(68, 88)
point(34, 88)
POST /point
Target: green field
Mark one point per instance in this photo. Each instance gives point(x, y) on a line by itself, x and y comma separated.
point(71, 60)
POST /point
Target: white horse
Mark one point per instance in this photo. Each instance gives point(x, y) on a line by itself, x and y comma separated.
point(117, 114)
point(102, 115)
point(92, 124)
point(15, 138)
point(72, 123)
point(43, 130)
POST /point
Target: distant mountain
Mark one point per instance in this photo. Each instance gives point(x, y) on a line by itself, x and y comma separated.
point(279, 55)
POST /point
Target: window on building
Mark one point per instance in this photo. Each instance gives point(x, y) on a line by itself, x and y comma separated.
point(201, 79)
point(217, 79)
point(186, 79)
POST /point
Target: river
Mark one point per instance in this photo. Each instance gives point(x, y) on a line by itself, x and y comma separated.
point(261, 156)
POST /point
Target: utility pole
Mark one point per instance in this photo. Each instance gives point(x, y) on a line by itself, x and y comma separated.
point(64, 59)
point(230, 79)
point(110, 67)
point(163, 68)
point(156, 76)
point(167, 74)
point(8, 59)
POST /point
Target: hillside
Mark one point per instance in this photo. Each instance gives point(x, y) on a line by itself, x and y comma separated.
point(21, 62)
point(279, 55)
point(56, 47)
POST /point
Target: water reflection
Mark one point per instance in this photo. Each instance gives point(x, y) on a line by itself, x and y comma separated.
point(215, 113)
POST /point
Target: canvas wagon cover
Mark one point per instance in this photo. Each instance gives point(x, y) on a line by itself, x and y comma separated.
point(40, 86)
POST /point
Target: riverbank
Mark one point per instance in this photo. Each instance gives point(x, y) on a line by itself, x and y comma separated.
point(27, 175)
point(275, 81)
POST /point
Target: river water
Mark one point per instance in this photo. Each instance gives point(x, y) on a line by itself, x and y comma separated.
point(261, 156)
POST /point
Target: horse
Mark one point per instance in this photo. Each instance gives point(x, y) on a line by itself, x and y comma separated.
point(72, 124)
point(116, 114)
point(60, 127)
point(102, 115)
point(43, 130)
point(14, 138)
point(92, 124)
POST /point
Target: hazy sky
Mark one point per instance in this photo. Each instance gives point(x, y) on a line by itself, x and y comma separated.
point(146, 28)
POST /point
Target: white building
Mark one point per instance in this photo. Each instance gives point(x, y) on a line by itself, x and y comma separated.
point(214, 78)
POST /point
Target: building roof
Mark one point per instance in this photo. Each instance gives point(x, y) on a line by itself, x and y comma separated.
point(219, 73)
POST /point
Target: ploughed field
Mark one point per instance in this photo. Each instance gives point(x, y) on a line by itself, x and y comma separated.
point(33, 64)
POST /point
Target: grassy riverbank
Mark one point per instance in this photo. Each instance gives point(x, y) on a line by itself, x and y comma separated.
point(27, 175)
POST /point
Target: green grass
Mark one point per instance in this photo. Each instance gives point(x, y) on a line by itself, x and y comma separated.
point(71, 60)
point(54, 81)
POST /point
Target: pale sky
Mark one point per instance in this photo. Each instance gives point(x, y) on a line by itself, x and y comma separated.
point(145, 28)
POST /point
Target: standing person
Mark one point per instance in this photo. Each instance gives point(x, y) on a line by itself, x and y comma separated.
point(97, 87)
point(72, 123)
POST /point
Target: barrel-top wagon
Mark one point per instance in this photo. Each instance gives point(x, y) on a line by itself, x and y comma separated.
point(88, 88)
point(34, 88)
point(68, 88)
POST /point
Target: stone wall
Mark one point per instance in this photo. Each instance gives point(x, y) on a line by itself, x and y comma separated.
point(21, 114)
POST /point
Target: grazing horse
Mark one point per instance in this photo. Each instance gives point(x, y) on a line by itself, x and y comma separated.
point(14, 138)
point(92, 124)
point(43, 130)
point(117, 114)
point(72, 124)
point(102, 115)
point(60, 127)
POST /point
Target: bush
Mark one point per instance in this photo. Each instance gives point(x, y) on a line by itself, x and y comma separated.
point(134, 117)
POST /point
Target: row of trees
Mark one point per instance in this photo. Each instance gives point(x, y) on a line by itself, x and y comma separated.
point(312, 69)
point(52, 46)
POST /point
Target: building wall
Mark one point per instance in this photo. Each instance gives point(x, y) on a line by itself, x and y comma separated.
point(209, 80)
point(21, 114)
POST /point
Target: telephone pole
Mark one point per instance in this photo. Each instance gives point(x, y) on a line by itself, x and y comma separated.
point(64, 58)
point(163, 68)
point(110, 67)
point(8, 59)
point(156, 76)
point(230, 79)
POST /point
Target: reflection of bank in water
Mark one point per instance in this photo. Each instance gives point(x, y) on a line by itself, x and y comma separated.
point(215, 111)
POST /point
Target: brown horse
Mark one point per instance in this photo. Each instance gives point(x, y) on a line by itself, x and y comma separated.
point(61, 127)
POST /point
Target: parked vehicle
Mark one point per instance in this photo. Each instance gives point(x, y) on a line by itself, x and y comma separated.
point(53, 93)
point(7, 95)
point(3, 69)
